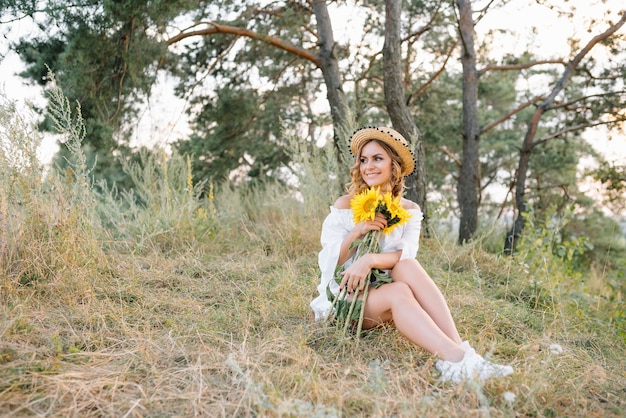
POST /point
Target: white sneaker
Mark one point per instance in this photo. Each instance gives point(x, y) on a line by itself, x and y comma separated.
point(489, 370)
point(465, 345)
point(453, 372)
point(472, 366)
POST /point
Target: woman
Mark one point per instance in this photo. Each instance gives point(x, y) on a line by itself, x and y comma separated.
point(412, 300)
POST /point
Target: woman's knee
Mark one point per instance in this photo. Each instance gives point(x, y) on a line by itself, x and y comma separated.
point(400, 290)
point(387, 299)
point(389, 293)
point(409, 261)
point(407, 270)
point(410, 264)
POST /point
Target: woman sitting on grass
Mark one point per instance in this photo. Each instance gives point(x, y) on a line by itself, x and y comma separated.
point(411, 300)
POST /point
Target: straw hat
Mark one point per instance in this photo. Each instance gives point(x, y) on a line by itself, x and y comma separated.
point(390, 137)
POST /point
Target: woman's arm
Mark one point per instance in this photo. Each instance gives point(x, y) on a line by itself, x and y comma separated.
point(378, 224)
point(382, 261)
point(345, 252)
point(356, 274)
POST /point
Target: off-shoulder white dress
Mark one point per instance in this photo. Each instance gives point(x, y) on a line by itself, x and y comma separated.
point(335, 228)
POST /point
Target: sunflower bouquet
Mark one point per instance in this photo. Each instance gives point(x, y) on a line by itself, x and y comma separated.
point(364, 207)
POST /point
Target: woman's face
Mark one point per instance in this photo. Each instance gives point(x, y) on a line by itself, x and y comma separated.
point(375, 165)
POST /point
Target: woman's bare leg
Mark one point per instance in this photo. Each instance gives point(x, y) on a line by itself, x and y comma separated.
point(396, 301)
point(427, 294)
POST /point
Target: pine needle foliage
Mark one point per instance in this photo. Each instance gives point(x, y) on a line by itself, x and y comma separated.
point(169, 302)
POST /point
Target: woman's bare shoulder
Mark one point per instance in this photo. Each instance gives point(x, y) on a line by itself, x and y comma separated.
point(343, 202)
point(409, 204)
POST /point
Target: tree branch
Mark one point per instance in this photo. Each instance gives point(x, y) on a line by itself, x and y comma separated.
point(435, 76)
point(449, 153)
point(512, 67)
point(591, 96)
point(216, 28)
point(424, 28)
point(575, 128)
point(510, 114)
point(482, 12)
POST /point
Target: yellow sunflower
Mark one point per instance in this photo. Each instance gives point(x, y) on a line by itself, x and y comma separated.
point(396, 214)
point(364, 205)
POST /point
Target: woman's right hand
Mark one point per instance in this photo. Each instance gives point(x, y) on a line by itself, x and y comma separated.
point(378, 224)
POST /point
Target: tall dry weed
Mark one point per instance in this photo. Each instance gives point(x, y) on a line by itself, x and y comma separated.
point(48, 219)
point(164, 211)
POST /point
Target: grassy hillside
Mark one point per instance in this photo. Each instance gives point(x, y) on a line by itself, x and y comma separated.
point(165, 303)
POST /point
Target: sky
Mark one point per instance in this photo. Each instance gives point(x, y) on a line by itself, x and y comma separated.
point(536, 27)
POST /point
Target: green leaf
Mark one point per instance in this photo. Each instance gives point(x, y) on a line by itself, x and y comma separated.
point(338, 270)
point(329, 294)
point(343, 307)
point(380, 277)
point(355, 243)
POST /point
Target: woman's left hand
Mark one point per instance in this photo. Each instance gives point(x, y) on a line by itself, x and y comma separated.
point(355, 276)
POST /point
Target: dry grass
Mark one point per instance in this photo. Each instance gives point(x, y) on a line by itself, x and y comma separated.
point(203, 333)
point(208, 316)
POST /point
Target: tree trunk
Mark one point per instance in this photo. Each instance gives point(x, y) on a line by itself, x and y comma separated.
point(515, 232)
point(469, 183)
point(397, 108)
point(334, 84)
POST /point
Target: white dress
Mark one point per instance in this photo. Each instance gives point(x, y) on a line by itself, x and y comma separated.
point(335, 228)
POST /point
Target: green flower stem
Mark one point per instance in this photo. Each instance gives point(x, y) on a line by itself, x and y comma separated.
point(334, 305)
point(347, 322)
point(369, 245)
point(362, 313)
